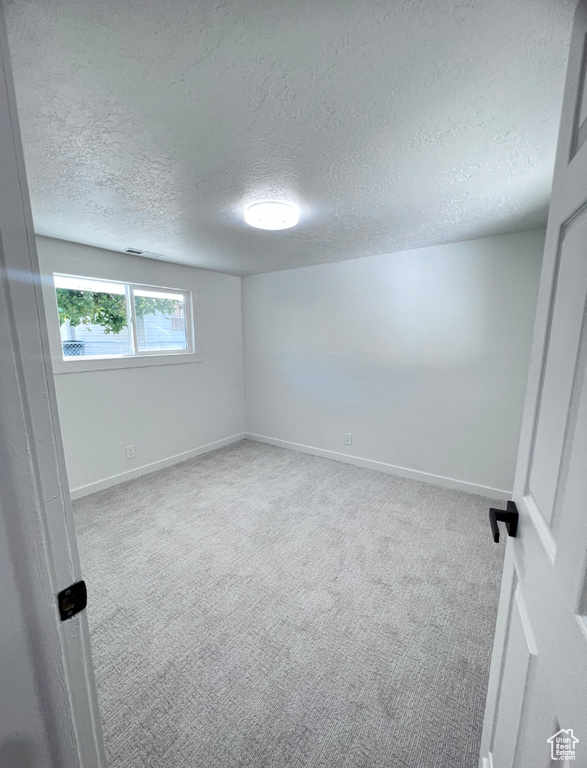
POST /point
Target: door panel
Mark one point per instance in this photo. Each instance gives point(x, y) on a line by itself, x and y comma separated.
point(517, 662)
point(559, 375)
point(580, 127)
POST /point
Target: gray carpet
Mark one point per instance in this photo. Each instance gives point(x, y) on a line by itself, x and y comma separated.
point(258, 607)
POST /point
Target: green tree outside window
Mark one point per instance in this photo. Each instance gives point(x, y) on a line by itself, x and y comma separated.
point(107, 310)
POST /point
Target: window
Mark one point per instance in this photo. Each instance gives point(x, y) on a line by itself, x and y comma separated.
point(108, 319)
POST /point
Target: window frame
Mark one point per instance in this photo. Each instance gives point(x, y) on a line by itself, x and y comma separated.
point(134, 329)
point(138, 358)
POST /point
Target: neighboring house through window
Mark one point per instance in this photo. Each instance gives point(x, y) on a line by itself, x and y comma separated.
point(106, 319)
point(178, 319)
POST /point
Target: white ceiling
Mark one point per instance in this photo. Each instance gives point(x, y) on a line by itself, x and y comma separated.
point(393, 124)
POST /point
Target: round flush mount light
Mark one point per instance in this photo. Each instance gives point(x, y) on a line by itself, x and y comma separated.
point(272, 214)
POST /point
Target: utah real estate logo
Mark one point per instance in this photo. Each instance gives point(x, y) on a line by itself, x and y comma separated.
point(562, 744)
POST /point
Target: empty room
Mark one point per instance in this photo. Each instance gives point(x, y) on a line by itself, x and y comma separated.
point(293, 411)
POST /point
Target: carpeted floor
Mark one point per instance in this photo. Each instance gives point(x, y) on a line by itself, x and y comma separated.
point(261, 608)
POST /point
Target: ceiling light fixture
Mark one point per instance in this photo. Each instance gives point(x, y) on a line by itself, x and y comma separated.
point(272, 214)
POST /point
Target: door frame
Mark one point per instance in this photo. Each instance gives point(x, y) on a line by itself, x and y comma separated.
point(35, 504)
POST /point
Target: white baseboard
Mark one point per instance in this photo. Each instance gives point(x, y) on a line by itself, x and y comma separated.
point(380, 466)
point(108, 482)
point(390, 469)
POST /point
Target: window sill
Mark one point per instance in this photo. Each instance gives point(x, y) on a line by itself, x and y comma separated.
point(81, 365)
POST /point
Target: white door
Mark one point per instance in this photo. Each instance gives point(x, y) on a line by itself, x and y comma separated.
point(538, 681)
point(48, 709)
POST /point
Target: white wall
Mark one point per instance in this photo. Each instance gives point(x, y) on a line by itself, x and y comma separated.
point(421, 355)
point(168, 412)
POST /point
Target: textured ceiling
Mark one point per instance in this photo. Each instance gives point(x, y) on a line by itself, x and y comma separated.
point(394, 124)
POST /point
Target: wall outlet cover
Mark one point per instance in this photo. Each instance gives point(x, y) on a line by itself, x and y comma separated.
point(348, 438)
point(130, 452)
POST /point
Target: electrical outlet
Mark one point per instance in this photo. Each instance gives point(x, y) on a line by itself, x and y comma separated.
point(348, 438)
point(130, 451)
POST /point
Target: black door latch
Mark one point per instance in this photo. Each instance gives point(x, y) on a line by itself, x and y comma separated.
point(72, 600)
point(508, 516)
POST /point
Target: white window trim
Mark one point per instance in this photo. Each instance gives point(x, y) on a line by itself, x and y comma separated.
point(136, 360)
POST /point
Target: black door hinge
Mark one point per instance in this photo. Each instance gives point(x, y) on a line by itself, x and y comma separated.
point(72, 600)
